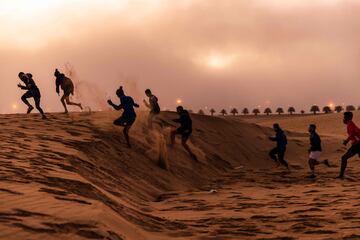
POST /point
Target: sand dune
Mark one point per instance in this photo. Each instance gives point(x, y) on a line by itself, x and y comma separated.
point(72, 177)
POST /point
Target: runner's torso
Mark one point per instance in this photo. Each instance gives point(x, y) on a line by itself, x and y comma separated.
point(154, 105)
point(30, 83)
point(128, 107)
point(67, 83)
point(64, 82)
point(353, 132)
point(185, 121)
point(315, 142)
point(281, 139)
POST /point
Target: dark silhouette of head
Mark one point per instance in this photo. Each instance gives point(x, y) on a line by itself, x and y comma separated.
point(21, 74)
point(179, 109)
point(57, 73)
point(276, 127)
point(120, 92)
point(148, 92)
point(24, 76)
point(312, 128)
point(348, 116)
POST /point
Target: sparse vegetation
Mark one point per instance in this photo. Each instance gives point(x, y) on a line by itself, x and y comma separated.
point(314, 109)
point(268, 111)
point(223, 112)
point(245, 111)
point(350, 108)
point(326, 110)
point(256, 111)
point(280, 110)
point(339, 109)
point(234, 111)
point(291, 110)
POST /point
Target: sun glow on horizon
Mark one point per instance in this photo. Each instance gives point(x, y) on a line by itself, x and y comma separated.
point(215, 60)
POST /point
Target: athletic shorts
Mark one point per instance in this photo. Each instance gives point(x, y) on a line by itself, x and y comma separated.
point(122, 121)
point(315, 155)
point(68, 91)
point(355, 148)
point(35, 93)
point(183, 132)
point(154, 112)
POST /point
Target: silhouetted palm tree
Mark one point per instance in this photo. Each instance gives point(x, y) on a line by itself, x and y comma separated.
point(350, 108)
point(280, 110)
point(327, 109)
point(339, 109)
point(291, 110)
point(315, 109)
point(256, 111)
point(234, 111)
point(201, 112)
point(223, 112)
point(245, 111)
point(268, 111)
point(302, 112)
point(212, 111)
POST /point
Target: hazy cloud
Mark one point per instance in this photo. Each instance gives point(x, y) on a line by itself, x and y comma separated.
point(208, 53)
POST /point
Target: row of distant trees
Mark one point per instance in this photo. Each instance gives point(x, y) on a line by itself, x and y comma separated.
point(291, 110)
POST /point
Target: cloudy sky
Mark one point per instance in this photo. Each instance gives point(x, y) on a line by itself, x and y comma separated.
point(208, 53)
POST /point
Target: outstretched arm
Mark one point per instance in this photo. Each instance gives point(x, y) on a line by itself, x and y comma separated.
point(178, 120)
point(146, 104)
point(116, 107)
point(22, 87)
point(273, 138)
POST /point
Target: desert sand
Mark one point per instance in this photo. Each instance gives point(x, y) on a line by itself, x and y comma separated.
point(72, 177)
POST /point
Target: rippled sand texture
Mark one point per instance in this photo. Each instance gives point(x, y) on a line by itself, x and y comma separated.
point(72, 177)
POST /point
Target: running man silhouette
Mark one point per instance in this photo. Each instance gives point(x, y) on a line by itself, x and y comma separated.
point(32, 91)
point(67, 86)
point(153, 105)
point(278, 153)
point(129, 116)
point(185, 129)
point(354, 136)
point(315, 150)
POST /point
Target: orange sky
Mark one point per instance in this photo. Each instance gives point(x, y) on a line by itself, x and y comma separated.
point(205, 52)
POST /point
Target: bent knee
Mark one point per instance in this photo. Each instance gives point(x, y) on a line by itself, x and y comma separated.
point(312, 161)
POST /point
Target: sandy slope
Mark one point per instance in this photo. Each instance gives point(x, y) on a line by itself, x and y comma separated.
point(72, 177)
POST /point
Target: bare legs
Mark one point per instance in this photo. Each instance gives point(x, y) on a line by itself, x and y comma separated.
point(313, 163)
point(150, 120)
point(278, 156)
point(37, 103)
point(126, 134)
point(127, 125)
point(65, 100)
point(344, 161)
point(184, 140)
